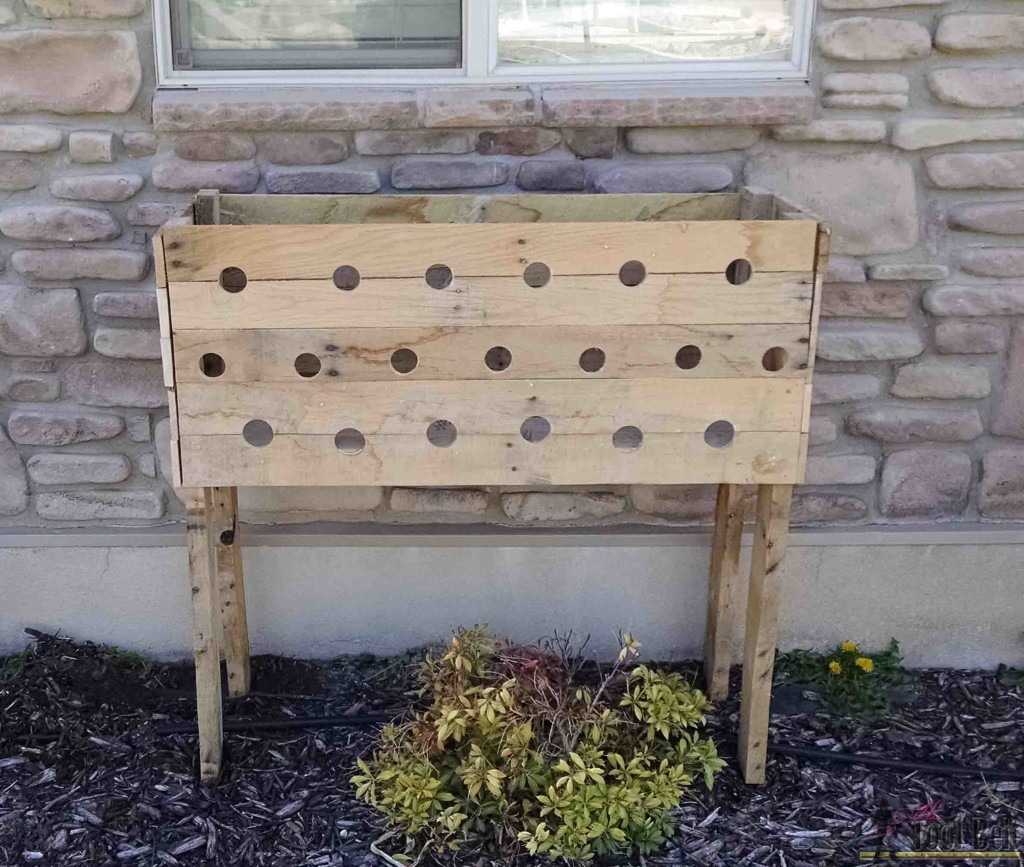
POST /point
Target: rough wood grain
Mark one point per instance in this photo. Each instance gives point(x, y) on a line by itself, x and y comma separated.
point(770, 536)
point(200, 253)
point(231, 588)
point(662, 299)
point(583, 459)
point(725, 565)
point(456, 352)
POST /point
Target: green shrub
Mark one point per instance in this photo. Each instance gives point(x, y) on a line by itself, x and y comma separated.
point(851, 682)
point(515, 751)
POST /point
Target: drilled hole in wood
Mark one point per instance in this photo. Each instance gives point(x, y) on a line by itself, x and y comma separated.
point(633, 273)
point(258, 433)
point(404, 360)
point(211, 364)
point(498, 358)
point(592, 360)
point(233, 280)
point(739, 272)
point(346, 277)
point(719, 434)
point(535, 429)
point(439, 276)
point(537, 274)
point(688, 357)
point(349, 441)
point(628, 438)
point(774, 359)
point(442, 433)
point(307, 365)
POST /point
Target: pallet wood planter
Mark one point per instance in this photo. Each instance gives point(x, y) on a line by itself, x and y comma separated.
point(506, 340)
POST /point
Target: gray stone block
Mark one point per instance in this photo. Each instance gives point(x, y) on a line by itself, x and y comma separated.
point(969, 338)
point(978, 88)
point(18, 174)
point(305, 150)
point(998, 300)
point(944, 380)
point(174, 175)
point(537, 506)
point(69, 71)
point(994, 218)
point(592, 142)
point(993, 261)
point(30, 138)
point(826, 508)
point(832, 388)
point(100, 505)
point(89, 146)
point(139, 144)
point(865, 301)
point(154, 214)
point(74, 468)
point(37, 427)
point(13, 481)
point(97, 188)
point(985, 171)
point(552, 175)
point(1001, 494)
point(518, 141)
point(925, 483)
point(447, 174)
point(840, 470)
point(126, 342)
point(126, 305)
point(1008, 413)
point(117, 383)
point(897, 424)
point(326, 181)
point(82, 264)
point(384, 143)
point(41, 322)
point(215, 147)
point(443, 501)
point(850, 341)
point(691, 140)
point(665, 178)
point(977, 33)
point(873, 39)
point(62, 223)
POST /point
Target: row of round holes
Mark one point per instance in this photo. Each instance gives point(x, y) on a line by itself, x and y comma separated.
point(536, 275)
point(443, 433)
point(497, 358)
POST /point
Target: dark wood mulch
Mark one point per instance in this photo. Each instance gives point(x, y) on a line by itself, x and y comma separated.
point(84, 778)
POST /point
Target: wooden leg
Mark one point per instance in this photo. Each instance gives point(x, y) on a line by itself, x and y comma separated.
point(773, 502)
point(231, 589)
point(725, 565)
point(206, 629)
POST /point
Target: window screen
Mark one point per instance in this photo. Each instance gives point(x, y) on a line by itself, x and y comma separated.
point(324, 34)
point(552, 32)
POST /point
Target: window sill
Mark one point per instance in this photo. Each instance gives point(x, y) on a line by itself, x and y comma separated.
point(555, 105)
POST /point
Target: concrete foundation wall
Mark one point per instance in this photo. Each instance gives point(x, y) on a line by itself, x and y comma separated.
point(949, 598)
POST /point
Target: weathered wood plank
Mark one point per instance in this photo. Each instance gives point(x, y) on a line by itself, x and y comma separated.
point(206, 629)
point(479, 407)
point(770, 537)
point(678, 299)
point(584, 459)
point(198, 253)
point(457, 352)
point(231, 588)
point(546, 208)
point(725, 567)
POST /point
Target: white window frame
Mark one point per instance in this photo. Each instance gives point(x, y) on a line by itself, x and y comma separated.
point(480, 62)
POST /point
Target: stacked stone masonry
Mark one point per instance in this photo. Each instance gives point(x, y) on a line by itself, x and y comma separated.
point(908, 140)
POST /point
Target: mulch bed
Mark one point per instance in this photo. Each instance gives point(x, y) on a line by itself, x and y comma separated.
point(85, 779)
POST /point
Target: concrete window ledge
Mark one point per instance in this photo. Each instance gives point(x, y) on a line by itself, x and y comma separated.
point(562, 105)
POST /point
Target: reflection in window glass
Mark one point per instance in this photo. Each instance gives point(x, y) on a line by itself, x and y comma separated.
point(427, 31)
point(548, 32)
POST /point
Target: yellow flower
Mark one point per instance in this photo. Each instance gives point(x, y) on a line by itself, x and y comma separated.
point(850, 646)
point(865, 664)
point(835, 667)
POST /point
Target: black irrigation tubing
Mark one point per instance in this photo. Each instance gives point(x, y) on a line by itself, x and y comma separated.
point(777, 749)
point(890, 763)
point(313, 722)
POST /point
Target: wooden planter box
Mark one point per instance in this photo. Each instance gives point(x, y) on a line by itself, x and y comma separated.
point(506, 340)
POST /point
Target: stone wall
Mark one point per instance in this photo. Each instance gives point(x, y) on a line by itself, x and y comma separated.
point(908, 141)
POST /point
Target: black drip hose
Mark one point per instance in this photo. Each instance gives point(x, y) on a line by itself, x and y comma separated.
point(778, 749)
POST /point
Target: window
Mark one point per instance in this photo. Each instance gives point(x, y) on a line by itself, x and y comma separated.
point(328, 41)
